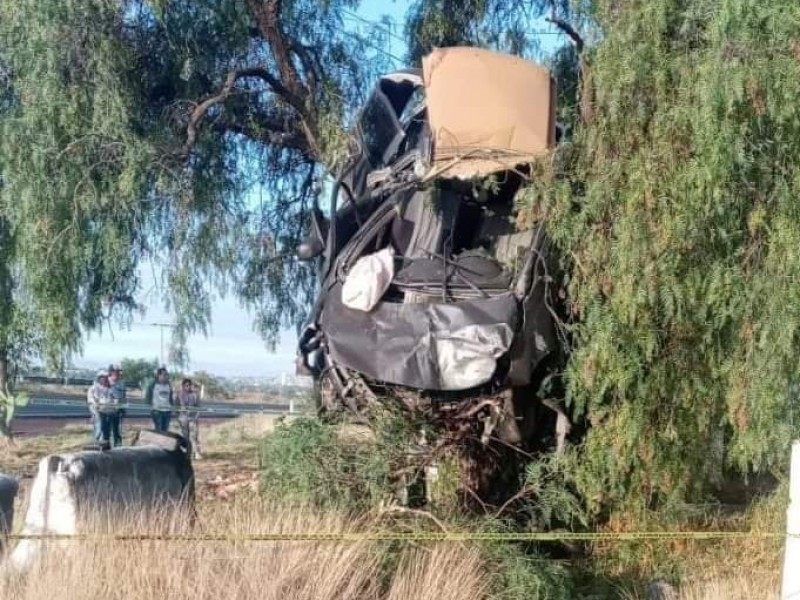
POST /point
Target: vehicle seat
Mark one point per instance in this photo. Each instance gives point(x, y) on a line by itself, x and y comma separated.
point(463, 271)
point(425, 226)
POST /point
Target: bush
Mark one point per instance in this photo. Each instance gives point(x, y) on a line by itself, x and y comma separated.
point(519, 573)
point(307, 461)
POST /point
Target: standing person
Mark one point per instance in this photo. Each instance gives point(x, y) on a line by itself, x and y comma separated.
point(188, 417)
point(103, 405)
point(119, 394)
point(93, 410)
point(159, 396)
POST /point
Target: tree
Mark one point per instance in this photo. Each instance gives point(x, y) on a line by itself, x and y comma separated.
point(214, 387)
point(139, 370)
point(187, 133)
point(676, 208)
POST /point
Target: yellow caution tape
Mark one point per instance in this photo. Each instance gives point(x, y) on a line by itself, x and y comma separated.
point(632, 536)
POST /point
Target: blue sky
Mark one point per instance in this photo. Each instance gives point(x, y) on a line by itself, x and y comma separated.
point(232, 347)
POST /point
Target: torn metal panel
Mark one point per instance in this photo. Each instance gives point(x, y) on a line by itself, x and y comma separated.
point(488, 111)
point(417, 345)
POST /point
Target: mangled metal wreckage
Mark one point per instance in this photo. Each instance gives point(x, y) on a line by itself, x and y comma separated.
point(429, 292)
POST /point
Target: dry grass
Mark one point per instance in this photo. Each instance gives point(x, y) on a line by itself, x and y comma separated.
point(762, 584)
point(723, 569)
point(445, 572)
point(240, 435)
point(21, 458)
point(244, 570)
point(753, 586)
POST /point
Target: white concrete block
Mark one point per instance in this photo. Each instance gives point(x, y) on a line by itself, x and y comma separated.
point(71, 489)
point(790, 588)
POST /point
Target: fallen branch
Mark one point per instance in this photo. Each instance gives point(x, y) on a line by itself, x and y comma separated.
point(518, 496)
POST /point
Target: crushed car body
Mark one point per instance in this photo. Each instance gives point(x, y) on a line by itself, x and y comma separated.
point(429, 291)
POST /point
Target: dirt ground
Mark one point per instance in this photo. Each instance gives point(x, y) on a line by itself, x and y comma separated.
point(230, 464)
point(26, 428)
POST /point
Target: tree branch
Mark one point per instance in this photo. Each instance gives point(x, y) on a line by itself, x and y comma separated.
point(569, 30)
point(310, 64)
point(564, 26)
point(201, 110)
point(270, 133)
point(267, 16)
point(587, 91)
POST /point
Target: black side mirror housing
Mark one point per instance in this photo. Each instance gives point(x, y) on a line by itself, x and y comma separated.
point(310, 248)
point(314, 245)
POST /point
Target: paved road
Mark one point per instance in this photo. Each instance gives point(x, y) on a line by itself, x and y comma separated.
point(49, 407)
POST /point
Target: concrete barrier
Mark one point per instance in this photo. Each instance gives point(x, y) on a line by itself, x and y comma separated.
point(72, 491)
point(8, 493)
point(790, 586)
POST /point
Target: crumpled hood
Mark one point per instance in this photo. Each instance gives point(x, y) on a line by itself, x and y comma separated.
point(425, 346)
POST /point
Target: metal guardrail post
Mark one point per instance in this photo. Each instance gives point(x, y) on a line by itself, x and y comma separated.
point(790, 587)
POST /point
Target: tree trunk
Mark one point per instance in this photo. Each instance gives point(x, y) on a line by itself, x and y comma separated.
point(5, 427)
point(5, 384)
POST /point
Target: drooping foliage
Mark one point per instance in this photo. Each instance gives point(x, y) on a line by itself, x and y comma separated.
point(676, 209)
point(73, 171)
point(190, 134)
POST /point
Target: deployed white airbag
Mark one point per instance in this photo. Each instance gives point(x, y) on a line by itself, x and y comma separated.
point(368, 280)
point(467, 357)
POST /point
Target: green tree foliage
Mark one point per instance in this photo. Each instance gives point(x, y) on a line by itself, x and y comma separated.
point(215, 388)
point(186, 133)
point(139, 371)
point(677, 211)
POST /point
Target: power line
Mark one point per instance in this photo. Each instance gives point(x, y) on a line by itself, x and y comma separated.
point(373, 45)
point(161, 326)
point(377, 25)
point(382, 26)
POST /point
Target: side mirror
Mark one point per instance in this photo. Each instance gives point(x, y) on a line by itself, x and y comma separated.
point(314, 245)
point(309, 248)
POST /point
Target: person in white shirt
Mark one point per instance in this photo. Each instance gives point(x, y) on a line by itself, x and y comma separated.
point(159, 397)
point(95, 415)
point(104, 405)
point(189, 402)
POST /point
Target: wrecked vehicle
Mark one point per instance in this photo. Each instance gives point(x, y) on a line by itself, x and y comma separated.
point(430, 295)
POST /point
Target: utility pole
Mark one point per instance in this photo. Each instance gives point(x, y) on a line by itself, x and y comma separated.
point(161, 326)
